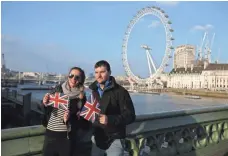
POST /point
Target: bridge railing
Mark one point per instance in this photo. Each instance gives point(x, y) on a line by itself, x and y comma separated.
point(24, 100)
point(22, 141)
point(201, 132)
point(193, 132)
point(12, 94)
point(19, 109)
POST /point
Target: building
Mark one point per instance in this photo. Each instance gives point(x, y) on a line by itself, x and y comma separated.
point(90, 76)
point(164, 77)
point(216, 76)
point(209, 76)
point(4, 70)
point(30, 74)
point(184, 55)
point(121, 78)
point(185, 78)
point(3, 66)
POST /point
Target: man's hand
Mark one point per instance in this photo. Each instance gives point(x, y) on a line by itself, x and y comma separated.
point(46, 98)
point(66, 116)
point(103, 119)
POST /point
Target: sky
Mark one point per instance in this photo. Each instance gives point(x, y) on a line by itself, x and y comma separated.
point(55, 36)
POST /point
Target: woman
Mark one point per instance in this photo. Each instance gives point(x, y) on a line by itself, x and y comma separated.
point(62, 126)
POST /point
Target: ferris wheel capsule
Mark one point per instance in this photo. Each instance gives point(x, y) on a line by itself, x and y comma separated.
point(171, 47)
point(171, 30)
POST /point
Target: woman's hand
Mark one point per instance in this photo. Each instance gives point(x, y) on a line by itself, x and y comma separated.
point(66, 116)
point(46, 98)
point(81, 95)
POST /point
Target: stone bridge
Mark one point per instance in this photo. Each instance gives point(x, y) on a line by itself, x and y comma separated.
point(186, 133)
point(196, 132)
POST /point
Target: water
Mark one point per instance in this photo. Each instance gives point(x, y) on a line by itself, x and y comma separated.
point(148, 104)
point(151, 103)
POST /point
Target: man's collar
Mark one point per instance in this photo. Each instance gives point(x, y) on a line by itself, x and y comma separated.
point(111, 84)
point(107, 84)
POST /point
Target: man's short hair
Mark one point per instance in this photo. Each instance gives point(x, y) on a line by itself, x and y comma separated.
point(104, 64)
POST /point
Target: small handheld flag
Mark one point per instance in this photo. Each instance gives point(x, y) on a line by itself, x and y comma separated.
point(58, 101)
point(91, 109)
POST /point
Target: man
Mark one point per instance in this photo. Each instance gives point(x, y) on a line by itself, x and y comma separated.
point(117, 111)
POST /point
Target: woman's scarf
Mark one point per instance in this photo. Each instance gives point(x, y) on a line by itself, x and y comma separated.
point(71, 92)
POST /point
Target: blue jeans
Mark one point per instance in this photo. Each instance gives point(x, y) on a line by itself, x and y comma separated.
point(116, 149)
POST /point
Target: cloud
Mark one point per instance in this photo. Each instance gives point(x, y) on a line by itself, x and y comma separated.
point(154, 24)
point(202, 27)
point(168, 3)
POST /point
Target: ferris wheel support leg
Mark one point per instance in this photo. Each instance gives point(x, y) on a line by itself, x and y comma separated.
point(152, 62)
point(148, 61)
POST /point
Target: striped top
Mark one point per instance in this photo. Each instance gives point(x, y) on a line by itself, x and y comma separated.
point(55, 122)
point(55, 125)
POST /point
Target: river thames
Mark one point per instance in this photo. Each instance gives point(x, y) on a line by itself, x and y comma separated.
point(151, 103)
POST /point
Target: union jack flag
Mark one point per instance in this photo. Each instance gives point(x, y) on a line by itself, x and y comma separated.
point(91, 109)
point(58, 101)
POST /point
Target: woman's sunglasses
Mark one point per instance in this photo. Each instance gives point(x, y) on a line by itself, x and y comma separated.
point(76, 77)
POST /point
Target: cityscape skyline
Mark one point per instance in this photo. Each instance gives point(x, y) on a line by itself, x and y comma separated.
point(47, 36)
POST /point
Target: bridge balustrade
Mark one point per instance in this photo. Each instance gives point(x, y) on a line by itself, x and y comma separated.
point(201, 132)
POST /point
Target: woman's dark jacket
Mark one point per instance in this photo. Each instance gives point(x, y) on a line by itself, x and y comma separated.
point(75, 105)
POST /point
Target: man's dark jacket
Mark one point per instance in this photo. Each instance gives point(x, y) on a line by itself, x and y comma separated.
point(116, 103)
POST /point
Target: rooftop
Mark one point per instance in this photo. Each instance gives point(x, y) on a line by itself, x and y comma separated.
point(188, 70)
point(214, 66)
point(198, 68)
